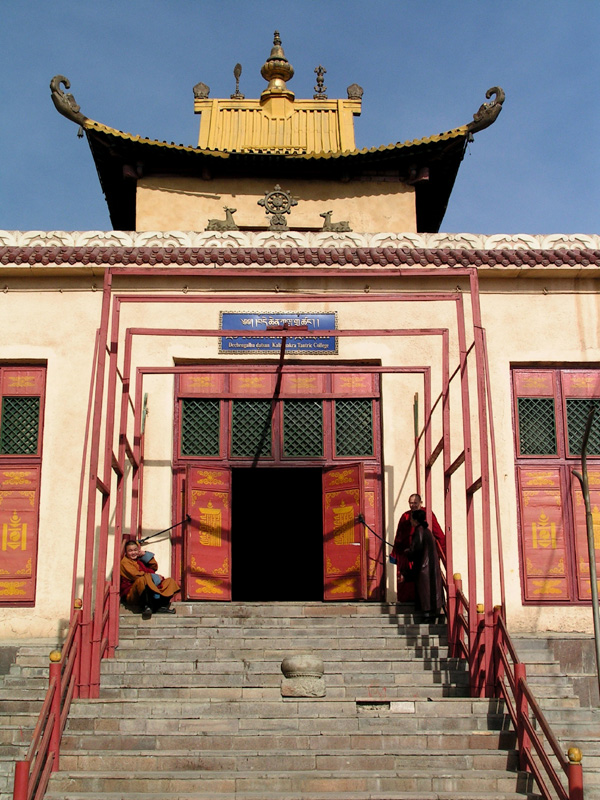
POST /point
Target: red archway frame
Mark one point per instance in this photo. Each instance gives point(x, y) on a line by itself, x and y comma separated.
point(113, 464)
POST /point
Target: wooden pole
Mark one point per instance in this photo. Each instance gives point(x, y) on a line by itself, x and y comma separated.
point(589, 524)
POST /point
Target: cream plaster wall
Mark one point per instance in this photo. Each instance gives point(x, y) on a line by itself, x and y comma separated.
point(527, 320)
point(548, 321)
point(188, 203)
point(59, 327)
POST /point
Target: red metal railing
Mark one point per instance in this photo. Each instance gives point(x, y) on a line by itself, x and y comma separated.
point(510, 686)
point(65, 670)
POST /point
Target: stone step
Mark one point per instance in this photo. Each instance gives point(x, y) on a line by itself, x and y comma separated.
point(366, 722)
point(287, 708)
point(283, 641)
point(377, 692)
point(363, 674)
point(289, 610)
point(395, 742)
point(324, 780)
point(243, 759)
point(266, 795)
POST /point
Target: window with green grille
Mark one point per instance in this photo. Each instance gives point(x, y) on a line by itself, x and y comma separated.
point(354, 427)
point(537, 427)
point(200, 427)
point(303, 428)
point(578, 410)
point(19, 426)
point(251, 428)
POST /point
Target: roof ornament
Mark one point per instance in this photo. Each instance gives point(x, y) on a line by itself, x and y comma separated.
point(334, 227)
point(227, 224)
point(355, 92)
point(237, 95)
point(319, 88)
point(201, 91)
point(277, 203)
point(487, 112)
point(277, 69)
point(65, 104)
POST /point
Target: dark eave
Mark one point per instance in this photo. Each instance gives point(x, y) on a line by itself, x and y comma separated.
point(121, 161)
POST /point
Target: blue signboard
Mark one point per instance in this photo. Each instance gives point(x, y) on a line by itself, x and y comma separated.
point(260, 321)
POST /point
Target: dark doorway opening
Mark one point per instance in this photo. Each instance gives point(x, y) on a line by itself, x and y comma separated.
point(277, 534)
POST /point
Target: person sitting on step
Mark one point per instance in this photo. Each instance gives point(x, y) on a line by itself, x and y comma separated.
point(141, 585)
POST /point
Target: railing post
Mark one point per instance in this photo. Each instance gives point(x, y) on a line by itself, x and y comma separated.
point(523, 740)
point(55, 674)
point(575, 774)
point(77, 605)
point(495, 661)
point(450, 610)
point(480, 656)
point(456, 628)
point(21, 780)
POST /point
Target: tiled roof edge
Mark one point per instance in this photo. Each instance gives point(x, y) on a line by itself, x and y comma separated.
point(455, 133)
point(38, 256)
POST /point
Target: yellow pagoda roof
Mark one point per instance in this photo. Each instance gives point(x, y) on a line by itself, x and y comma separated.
point(277, 122)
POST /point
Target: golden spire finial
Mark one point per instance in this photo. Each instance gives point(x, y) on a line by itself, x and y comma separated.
point(277, 69)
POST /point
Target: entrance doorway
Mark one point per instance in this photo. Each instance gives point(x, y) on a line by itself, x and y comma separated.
point(277, 534)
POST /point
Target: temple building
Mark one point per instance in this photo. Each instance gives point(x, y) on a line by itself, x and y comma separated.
point(271, 351)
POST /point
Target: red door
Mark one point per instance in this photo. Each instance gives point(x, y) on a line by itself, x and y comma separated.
point(344, 544)
point(208, 535)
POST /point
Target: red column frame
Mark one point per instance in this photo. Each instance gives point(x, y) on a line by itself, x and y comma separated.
point(105, 488)
point(468, 464)
point(82, 476)
point(371, 272)
point(93, 487)
point(215, 333)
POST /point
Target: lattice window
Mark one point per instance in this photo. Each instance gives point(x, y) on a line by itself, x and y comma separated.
point(200, 426)
point(577, 416)
point(303, 428)
point(19, 426)
point(354, 427)
point(537, 427)
point(251, 428)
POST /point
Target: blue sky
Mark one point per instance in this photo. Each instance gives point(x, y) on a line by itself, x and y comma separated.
point(424, 65)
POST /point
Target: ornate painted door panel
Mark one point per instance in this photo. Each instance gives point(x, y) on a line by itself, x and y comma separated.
point(19, 490)
point(376, 556)
point(344, 551)
point(543, 535)
point(584, 589)
point(208, 535)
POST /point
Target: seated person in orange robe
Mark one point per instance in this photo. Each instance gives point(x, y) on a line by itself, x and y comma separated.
point(142, 586)
point(402, 542)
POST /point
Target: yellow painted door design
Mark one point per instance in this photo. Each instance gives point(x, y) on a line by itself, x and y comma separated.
point(344, 545)
point(208, 534)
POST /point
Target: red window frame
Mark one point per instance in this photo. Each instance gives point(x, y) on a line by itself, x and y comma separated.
point(553, 557)
point(20, 477)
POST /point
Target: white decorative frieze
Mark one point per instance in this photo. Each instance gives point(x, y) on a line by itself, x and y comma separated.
point(262, 239)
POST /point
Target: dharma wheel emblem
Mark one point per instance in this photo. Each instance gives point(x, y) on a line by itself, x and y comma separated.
point(277, 203)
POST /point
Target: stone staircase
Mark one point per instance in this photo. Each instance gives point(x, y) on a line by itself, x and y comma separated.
point(555, 692)
point(22, 692)
point(191, 708)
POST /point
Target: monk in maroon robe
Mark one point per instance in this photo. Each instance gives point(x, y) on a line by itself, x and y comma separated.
point(402, 542)
point(423, 553)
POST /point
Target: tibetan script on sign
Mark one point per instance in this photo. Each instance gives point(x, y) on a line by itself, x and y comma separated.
point(263, 321)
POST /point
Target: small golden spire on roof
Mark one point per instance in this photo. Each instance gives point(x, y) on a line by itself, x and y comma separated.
point(277, 70)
